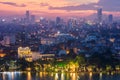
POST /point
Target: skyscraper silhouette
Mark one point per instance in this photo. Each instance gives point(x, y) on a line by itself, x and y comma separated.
point(99, 15)
point(27, 16)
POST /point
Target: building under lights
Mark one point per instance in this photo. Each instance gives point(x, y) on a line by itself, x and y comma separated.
point(25, 52)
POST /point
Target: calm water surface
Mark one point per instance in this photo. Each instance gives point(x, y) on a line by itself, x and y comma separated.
point(57, 76)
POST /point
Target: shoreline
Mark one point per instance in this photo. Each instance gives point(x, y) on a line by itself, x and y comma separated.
point(103, 72)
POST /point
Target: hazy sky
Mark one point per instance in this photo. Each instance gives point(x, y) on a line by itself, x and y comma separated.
point(58, 7)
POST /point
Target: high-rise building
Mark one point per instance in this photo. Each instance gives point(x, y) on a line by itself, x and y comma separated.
point(110, 18)
point(99, 15)
point(58, 20)
point(72, 23)
point(32, 18)
point(27, 16)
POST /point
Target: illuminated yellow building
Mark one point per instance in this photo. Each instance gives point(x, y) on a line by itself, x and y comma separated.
point(25, 52)
point(2, 54)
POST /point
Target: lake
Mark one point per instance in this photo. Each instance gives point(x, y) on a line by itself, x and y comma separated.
point(57, 76)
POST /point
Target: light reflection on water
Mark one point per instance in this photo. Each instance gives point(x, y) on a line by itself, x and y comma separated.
point(57, 76)
point(62, 76)
point(100, 75)
point(29, 76)
point(90, 75)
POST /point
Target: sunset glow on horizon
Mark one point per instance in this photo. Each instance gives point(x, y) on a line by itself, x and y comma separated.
point(57, 7)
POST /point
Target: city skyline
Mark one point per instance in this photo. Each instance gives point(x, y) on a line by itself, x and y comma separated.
point(59, 39)
point(62, 8)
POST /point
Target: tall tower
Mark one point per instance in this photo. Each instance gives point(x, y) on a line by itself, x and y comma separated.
point(32, 18)
point(27, 16)
point(58, 20)
point(110, 18)
point(99, 15)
